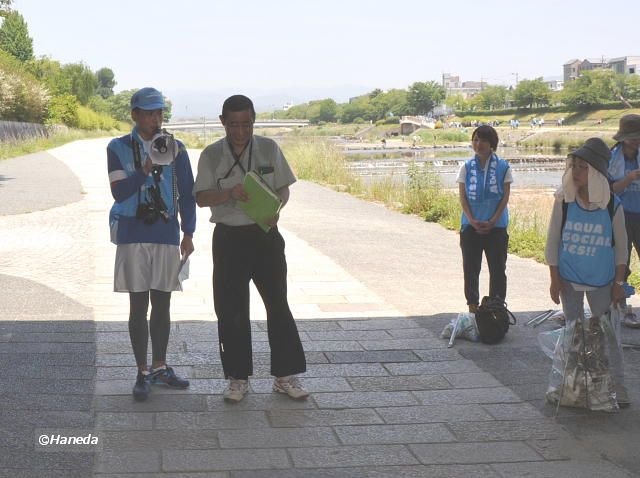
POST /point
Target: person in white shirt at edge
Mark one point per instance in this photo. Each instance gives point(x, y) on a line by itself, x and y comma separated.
point(582, 262)
point(484, 185)
point(144, 225)
point(242, 251)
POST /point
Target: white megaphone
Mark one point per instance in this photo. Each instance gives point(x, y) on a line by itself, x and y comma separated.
point(163, 148)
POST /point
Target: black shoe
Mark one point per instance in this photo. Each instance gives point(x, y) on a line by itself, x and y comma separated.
point(166, 376)
point(142, 388)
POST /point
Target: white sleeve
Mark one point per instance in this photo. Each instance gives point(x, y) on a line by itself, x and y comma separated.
point(552, 248)
point(462, 174)
point(508, 177)
point(620, 249)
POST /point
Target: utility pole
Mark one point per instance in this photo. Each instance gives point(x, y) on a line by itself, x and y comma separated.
point(516, 74)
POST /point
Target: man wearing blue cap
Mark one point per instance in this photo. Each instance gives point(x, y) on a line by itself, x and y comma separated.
point(151, 182)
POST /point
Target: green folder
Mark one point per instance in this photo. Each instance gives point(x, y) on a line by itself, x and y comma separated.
point(263, 203)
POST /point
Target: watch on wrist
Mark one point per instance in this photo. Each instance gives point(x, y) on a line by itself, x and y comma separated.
point(619, 282)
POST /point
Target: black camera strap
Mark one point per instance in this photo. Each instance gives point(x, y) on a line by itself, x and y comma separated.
point(137, 163)
point(137, 160)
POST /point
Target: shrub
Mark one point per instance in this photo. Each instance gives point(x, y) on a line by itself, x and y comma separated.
point(63, 110)
point(89, 119)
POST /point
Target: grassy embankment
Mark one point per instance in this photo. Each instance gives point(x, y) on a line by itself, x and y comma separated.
point(320, 161)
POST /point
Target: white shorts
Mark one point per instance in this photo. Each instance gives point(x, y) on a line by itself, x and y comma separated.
point(144, 266)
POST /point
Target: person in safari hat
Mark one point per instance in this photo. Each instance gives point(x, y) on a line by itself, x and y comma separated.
point(624, 176)
point(586, 248)
point(149, 198)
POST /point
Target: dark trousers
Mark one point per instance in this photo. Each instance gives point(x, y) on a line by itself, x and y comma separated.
point(494, 245)
point(241, 254)
point(159, 324)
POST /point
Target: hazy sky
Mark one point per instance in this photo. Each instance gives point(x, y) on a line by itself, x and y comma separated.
point(263, 45)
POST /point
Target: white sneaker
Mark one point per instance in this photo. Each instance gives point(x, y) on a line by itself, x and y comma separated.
point(236, 390)
point(290, 386)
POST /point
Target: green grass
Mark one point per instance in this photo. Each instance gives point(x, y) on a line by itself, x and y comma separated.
point(320, 161)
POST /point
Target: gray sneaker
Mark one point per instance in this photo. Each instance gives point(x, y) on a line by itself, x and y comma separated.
point(290, 386)
point(622, 397)
point(631, 320)
point(236, 390)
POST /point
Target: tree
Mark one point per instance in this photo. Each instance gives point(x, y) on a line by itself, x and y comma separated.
point(166, 114)
point(22, 97)
point(424, 96)
point(357, 108)
point(531, 93)
point(106, 82)
point(82, 80)
point(63, 110)
point(49, 72)
point(457, 102)
point(631, 87)
point(5, 7)
point(491, 98)
point(591, 88)
point(14, 37)
point(391, 103)
point(120, 105)
point(324, 110)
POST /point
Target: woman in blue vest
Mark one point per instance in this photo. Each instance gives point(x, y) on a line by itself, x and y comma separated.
point(587, 242)
point(484, 183)
point(624, 176)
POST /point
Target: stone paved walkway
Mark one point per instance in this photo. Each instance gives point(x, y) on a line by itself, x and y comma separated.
point(371, 289)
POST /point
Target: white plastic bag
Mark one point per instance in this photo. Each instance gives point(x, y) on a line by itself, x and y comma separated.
point(587, 364)
point(466, 328)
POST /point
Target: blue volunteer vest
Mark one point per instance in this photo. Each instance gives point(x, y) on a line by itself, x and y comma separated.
point(125, 211)
point(630, 197)
point(484, 196)
point(586, 252)
point(129, 206)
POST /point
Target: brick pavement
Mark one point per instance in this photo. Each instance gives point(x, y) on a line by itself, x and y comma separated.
point(371, 288)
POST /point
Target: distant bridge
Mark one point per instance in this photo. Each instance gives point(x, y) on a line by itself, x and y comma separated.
point(408, 124)
point(215, 124)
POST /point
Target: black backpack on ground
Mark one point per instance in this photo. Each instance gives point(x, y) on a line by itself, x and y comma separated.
point(493, 320)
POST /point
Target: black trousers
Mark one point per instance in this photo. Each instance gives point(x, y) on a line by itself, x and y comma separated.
point(494, 245)
point(241, 254)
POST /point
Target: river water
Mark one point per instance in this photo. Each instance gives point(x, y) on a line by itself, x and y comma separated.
point(541, 169)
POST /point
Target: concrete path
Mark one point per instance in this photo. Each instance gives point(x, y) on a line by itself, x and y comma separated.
point(371, 288)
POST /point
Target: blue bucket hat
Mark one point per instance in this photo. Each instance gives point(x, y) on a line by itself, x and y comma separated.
point(147, 99)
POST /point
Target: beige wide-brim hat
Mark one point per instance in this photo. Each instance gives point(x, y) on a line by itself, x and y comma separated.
point(629, 128)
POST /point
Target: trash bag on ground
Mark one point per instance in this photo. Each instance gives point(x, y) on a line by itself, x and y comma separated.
point(548, 340)
point(465, 327)
point(587, 368)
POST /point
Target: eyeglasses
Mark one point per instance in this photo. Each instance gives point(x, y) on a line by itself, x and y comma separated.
point(239, 125)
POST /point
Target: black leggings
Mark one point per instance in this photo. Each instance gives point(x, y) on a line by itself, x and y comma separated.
point(160, 324)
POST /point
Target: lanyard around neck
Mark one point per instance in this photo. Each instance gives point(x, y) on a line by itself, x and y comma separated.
point(236, 161)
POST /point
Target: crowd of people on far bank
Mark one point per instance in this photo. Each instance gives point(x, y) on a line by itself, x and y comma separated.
point(595, 223)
